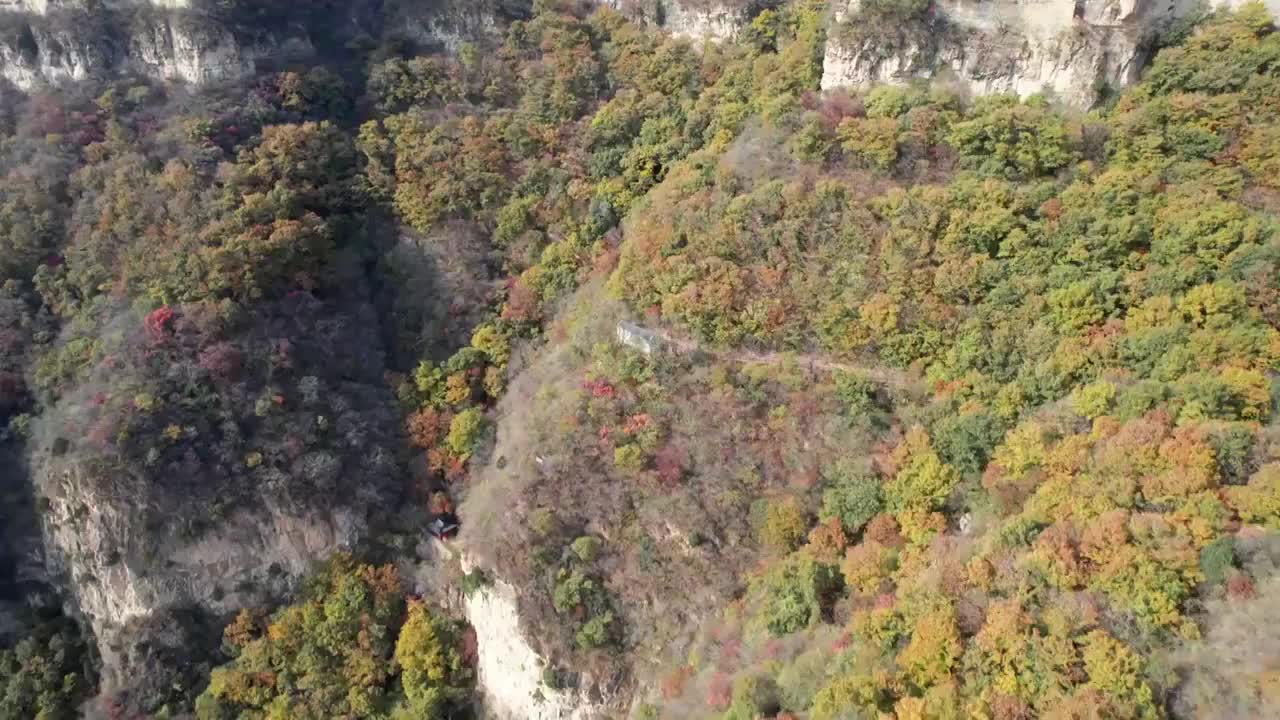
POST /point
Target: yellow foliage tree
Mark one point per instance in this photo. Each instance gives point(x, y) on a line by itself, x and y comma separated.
point(867, 565)
point(923, 480)
point(784, 525)
point(432, 671)
point(1116, 671)
point(1259, 501)
point(934, 648)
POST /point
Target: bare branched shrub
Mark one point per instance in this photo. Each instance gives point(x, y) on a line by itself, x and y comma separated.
point(1229, 675)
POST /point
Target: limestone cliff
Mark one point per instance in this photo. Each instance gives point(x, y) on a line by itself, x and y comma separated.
point(123, 570)
point(696, 20)
point(1072, 48)
point(513, 677)
point(209, 495)
point(703, 20)
point(54, 41)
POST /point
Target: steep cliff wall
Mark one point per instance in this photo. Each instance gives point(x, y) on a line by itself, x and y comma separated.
point(170, 49)
point(125, 569)
point(514, 680)
point(1021, 46)
point(1071, 47)
point(511, 672)
point(209, 495)
point(702, 20)
point(54, 41)
point(1074, 48)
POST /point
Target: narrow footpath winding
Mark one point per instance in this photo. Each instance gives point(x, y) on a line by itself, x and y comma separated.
point(901, 380)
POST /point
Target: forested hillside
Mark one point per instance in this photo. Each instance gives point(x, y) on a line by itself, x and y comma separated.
point(958, 407)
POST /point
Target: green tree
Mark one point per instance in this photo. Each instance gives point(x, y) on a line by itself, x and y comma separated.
point(44, 675)
point(1008, 138)
point(795, 592)
point(465, 432)
point(852, 497)
point(922, 481)
point(351, 647)
point(432, 671)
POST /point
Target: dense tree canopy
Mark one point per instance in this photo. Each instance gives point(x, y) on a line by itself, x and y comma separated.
point(353, 646)
point(961, 407)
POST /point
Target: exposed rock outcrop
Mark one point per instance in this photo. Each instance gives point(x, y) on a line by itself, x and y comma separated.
point(173, 48)
point(1071, 48)
point(697, 20)
point(514, 680)
point(46, 42)
point(512, 677)
point(166, 514)
point(124, 573)
point(195, 41)
point(706, 20)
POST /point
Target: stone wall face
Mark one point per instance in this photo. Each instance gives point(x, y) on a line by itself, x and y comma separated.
point(1015, 46)
point(1073, 48)
point(57, 41)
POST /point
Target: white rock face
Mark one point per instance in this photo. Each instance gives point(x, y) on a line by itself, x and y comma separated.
point(510, 670)
point(1020, 46)
point(42, 7)
point(59, 57)
point(161, 42)
point(162, 51)
point(451, 36)
point(121, 570)
point(167, 51)
point(69, 40)
point(39, 7)
point(712, 22)
point(1069, 47)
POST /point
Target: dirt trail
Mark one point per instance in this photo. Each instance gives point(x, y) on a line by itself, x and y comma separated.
point(898, 379)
